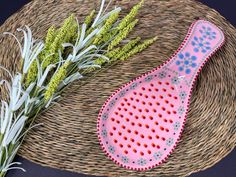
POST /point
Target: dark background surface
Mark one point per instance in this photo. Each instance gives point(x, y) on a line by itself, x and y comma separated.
point(225, 168)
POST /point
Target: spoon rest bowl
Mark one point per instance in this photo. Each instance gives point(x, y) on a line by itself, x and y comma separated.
point(141, 123)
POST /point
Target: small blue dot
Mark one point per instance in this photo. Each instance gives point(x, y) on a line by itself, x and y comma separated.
point(194, 65)
point(188, 71)
point(196, 50)
point(178, 62)
point(193, 58)
point(186, 62)
point(200, 44)
point(181, 68)
point(187, 54)
point(181, 56)
point(203, 51)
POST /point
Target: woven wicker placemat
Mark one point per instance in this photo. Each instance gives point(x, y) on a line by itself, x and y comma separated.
point(67, 139)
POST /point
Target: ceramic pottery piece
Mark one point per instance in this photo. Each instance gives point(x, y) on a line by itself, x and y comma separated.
point(141, 123)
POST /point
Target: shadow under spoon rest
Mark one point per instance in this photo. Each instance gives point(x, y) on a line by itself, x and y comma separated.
point(141, 123)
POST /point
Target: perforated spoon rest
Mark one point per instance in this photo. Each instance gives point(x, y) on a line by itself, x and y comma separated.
point(141, 123)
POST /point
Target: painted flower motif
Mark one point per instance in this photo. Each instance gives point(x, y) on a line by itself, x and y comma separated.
point(207, 33)
point(104, 133)
point(186, 62)
point(182, 95)
point(157, 155)
point(105, 116)
point(149, 78)
point(169, 141)
point(200, 44)
point(162, 74)
point(111, 149)
point(181, 110)
point(112, 103)
point(125, 159)
point(176, 126)
point(142, 162)
point(175, 80)
point(122, 93)
point(133, 85)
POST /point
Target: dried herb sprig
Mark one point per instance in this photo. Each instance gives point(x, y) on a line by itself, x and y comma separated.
point(53, 43)
point(105, 29)
point(130, 17)
point(89, 18)
point(139, 48)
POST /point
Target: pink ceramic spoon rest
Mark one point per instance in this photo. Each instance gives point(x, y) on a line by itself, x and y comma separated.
point(141, 123)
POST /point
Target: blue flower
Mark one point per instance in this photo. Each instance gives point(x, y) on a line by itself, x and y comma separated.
point(181, 110)
point(133, 85)
point(148, 78)
point(112, 103)
point(176, 126)
point(186, 62)
point(200, 44)
point(105, 116)
point(125, 159)
point(162, 74)
point(111, 149)
point(182, 95)
point(175, 80)
point(169, 141)
point(122, 93)
point(142, 162)
point(207, 33)
point(104, 133)
point(157, 155)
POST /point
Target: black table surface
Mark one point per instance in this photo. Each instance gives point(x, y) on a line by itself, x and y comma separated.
point(225, 168)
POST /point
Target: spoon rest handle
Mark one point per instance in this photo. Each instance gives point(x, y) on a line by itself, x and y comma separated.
point(202, 41)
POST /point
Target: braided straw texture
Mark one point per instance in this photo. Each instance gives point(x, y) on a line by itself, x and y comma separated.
point(68, 140)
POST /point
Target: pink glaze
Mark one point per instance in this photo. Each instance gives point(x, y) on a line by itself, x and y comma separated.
point(140, 124)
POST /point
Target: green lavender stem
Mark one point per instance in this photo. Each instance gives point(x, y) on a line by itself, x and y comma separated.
point(139, 48)
point(105, 29)
point(89, 18)
point(130, 17)
point(56, 80)
point(122, 35)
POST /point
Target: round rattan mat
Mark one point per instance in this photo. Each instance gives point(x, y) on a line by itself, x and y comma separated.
point(68, 140)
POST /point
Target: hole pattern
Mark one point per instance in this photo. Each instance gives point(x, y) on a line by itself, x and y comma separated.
point(141, 119)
